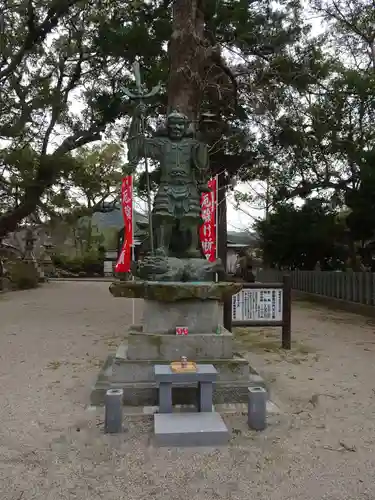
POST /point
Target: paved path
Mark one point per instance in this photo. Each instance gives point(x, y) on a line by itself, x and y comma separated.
point(52, 341)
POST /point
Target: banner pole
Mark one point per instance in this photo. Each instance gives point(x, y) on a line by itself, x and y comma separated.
point(133, 250)
point(216, 221)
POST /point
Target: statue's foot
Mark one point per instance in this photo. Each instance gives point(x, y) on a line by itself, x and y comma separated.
point(161, 252)
point(193, 253)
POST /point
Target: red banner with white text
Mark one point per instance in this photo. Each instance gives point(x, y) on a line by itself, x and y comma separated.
point(124, 260)
point(208, 228)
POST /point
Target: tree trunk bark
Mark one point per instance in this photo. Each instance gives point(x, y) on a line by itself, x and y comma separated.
point(186, 58)
point(10, 220)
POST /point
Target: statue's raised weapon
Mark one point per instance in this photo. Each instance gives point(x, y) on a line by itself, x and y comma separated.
point(140, 95)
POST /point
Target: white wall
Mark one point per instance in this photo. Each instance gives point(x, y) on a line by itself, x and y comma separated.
point(231, 260)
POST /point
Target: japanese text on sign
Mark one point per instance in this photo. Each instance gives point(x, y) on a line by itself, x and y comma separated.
point(208, 228)
point(262, 304)
point(124, 260)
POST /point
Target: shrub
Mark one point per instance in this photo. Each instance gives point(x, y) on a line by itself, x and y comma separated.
point(88, 264)
point(23, 275)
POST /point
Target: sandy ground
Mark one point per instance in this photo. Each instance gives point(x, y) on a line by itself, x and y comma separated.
point(52, 341)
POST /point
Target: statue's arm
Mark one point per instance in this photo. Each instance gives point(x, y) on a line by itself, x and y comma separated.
point(135, 140)
point(201, 163)
point(140, 146)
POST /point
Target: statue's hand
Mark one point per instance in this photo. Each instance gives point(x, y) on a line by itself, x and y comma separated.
point(131, 167)
point(140, 109)
point(203, 188)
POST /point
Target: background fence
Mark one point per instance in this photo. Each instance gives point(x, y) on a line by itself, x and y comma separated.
point(348, 286)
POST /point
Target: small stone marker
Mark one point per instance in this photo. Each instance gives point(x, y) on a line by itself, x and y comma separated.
point(113, 411)
point(257, 408)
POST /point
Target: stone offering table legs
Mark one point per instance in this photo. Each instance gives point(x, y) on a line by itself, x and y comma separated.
point(167, 305)
point(204, 376)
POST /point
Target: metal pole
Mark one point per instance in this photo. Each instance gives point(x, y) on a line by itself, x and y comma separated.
point(133, 252)
point(137, 74)
point(286, 334)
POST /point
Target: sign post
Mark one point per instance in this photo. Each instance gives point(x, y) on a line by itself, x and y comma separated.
point(265, 304)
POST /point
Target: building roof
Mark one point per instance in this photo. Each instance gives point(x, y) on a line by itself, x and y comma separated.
point(114, 218)
point(241, 238)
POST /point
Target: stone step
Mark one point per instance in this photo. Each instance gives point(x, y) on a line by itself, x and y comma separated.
point(192, 429)
point(166, 347)
point(146, 393)
point(130, 370)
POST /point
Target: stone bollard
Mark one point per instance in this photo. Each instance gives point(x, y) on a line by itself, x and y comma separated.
point(113, 411)
point(257, 408)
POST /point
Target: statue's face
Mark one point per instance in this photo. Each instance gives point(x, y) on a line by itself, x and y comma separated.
point(176, 128)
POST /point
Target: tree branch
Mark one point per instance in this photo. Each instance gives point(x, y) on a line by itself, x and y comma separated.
point(37, 33)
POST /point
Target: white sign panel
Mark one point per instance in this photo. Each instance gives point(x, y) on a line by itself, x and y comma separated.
point(108, 268)
point(261, 304)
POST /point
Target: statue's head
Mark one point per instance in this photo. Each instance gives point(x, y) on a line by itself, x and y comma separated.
point(177, 125)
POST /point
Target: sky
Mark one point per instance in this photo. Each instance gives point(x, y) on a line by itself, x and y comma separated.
point(242, 217)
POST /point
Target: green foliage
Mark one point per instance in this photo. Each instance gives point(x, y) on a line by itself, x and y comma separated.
point(88, 264)
point(324, 139)
point(22, 274)
point(303, 237)
point(361, 202)
point(96, 175)
point(50, 58)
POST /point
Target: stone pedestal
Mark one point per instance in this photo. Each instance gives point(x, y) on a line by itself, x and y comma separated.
point(197, 306)
point(198, 316)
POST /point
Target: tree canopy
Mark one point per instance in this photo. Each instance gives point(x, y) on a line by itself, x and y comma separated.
point(303, 237)
point(287, 107)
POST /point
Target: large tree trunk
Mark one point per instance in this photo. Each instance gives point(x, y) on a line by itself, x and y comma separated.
point(186, 57)
point(10, 219)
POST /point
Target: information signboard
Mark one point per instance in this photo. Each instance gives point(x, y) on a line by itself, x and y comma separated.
point(260, 304)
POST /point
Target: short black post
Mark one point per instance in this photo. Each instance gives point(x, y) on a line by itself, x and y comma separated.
point(286, 335)
point(113, 411)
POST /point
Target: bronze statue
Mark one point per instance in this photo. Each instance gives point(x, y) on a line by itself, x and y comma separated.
point(175, 217)
point(183, 178)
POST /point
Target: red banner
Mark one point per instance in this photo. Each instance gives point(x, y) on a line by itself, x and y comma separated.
point(208, 228)
point(124, 260)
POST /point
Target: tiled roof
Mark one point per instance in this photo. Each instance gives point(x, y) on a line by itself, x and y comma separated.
point(241, 237)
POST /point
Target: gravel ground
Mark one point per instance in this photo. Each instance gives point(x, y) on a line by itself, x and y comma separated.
point(52, 341)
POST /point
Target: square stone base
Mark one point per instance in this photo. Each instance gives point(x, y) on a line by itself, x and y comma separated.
point(131, 368)
point(166, 347)
point(190, 429)
point(197, 316)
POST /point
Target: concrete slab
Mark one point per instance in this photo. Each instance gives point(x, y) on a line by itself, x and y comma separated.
point(190, 429)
